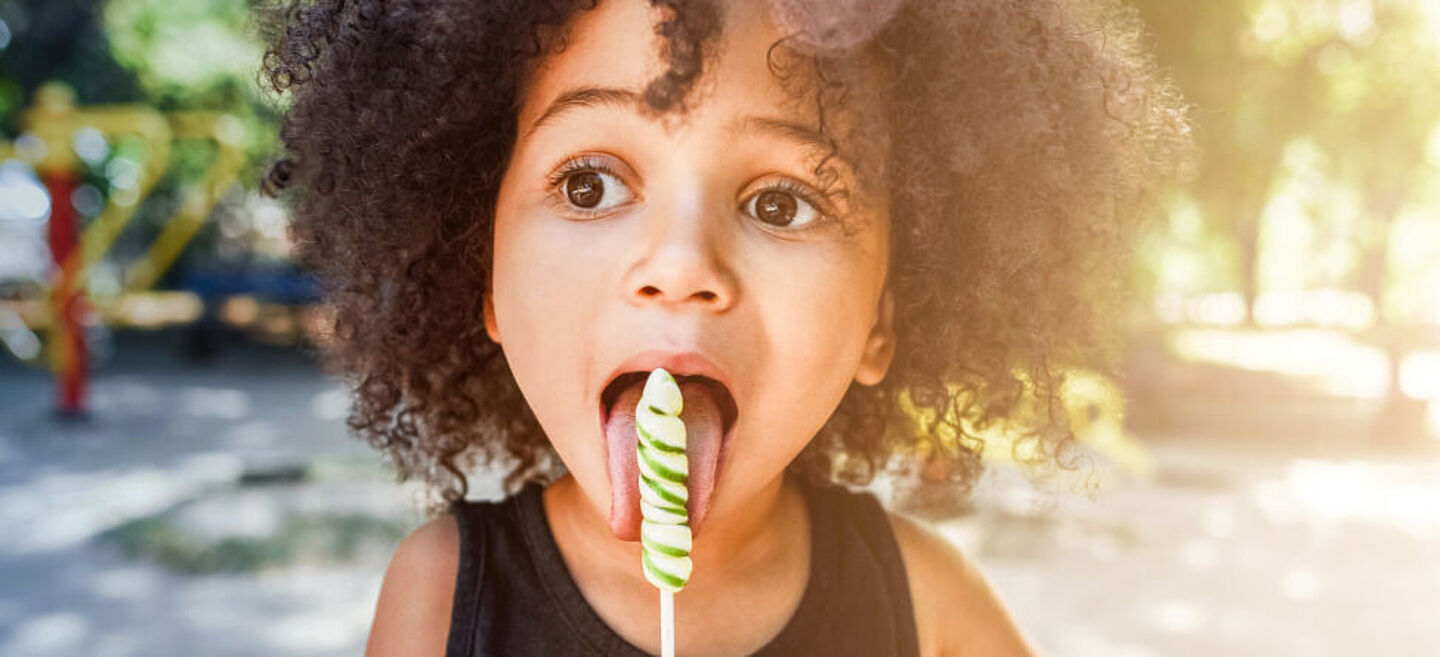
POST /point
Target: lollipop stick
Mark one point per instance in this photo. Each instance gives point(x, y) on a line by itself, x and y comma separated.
point(667, 624)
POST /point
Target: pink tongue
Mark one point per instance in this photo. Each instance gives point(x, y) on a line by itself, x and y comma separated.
point(703, 430)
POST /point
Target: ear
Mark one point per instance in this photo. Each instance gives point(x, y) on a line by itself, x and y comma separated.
point(880, 346)
point(491, 328)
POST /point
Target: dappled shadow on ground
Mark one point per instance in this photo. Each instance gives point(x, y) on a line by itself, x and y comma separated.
point(1228, 551)
point(161, 525)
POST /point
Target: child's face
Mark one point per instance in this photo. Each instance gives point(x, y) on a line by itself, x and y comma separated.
point(690, 237)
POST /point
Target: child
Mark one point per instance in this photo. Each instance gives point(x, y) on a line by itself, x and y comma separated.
point(815, 214)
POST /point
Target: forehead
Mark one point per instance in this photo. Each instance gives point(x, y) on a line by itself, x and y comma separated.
point(614, 46)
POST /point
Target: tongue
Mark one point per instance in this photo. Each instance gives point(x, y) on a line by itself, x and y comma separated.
point(703, 429)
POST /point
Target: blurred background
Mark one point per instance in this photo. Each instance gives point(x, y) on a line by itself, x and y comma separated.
point(176, 478)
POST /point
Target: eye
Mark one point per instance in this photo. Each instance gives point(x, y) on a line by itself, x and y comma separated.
point(784, 205)
point(587, 185)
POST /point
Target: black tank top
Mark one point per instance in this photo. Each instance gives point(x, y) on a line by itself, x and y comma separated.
point(515, 598)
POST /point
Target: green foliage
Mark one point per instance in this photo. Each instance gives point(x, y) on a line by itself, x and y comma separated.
point(172, 55)
point(193, 53)
point(1314, 119)
point(197, 54)
point(57, 40)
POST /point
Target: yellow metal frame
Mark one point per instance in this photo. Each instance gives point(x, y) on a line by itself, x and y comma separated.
point(54, 118)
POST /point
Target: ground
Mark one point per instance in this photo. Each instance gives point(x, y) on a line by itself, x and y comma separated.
point(222, 510)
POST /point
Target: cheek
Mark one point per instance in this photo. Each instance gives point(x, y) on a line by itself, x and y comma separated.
point(540, 271)
point(816, 323)
point(531, 283)
point(817, 318)
point(545, 287)
point(822, 312)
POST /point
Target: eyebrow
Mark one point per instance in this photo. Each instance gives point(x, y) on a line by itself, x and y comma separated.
point(610, 97)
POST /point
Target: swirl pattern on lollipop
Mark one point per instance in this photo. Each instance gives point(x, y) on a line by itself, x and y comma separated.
point(660, 451)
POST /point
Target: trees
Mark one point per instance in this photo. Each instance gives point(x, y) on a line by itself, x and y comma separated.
point(1315, 117)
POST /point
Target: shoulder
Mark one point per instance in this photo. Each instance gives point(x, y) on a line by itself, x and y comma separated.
point(412, 616)
point(956, 611)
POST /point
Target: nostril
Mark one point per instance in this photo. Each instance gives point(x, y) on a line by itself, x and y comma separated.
point(650, 291)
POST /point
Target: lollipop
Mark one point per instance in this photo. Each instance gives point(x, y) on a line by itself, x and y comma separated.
point(664, 524)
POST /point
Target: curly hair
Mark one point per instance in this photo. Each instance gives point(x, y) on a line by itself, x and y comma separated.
point(1019, 144)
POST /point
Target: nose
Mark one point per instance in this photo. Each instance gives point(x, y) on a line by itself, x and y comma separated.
point(683, 264)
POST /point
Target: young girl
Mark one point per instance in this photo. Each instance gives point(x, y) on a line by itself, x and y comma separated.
point(829, 220)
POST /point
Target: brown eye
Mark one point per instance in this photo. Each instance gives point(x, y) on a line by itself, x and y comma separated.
point(781, 208)
point(594, 190)
point(585, 189)
point(774, 207)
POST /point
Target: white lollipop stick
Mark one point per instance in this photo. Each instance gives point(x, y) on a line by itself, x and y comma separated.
point(667, 624)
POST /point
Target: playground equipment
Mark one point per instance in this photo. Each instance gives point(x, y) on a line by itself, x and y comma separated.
point(50, 126)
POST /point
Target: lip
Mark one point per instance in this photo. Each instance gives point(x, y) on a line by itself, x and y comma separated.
point(677, 363)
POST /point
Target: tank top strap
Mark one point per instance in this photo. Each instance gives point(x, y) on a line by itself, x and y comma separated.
point(464, 612)
point(873, 523)
point(859, 543)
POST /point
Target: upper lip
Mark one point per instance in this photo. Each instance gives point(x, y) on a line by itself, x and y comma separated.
point(677, 363)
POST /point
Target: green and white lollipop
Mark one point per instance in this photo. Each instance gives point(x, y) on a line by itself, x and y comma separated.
point(665, 523)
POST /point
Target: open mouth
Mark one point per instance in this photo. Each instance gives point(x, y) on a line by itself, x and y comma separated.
point(728, 410)
point(709, 414)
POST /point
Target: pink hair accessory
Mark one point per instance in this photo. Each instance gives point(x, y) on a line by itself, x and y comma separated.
point(833, 25)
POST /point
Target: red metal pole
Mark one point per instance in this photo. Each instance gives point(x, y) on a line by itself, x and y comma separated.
point(68, 302)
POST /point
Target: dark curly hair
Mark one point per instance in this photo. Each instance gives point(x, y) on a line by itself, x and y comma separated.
point(1019, 144)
